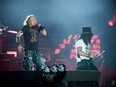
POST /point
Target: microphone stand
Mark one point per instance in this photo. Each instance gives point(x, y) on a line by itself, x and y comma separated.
point(2, 35)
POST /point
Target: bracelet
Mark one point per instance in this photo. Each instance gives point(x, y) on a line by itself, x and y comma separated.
point(19, 44)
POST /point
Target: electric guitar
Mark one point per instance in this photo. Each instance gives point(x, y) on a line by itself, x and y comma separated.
point(98, 56)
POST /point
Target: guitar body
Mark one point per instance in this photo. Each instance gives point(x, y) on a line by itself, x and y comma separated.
point(89, 64)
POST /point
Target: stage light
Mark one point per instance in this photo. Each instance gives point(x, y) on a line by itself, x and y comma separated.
point(54, 68)
point(46, 70)
point(12, 52)
point(11, 31)
point(110, 23)
point(61, 68)
point(0, 29)
point(57, 51)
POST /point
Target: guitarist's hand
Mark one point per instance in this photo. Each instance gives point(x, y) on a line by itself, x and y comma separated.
point(92, 55)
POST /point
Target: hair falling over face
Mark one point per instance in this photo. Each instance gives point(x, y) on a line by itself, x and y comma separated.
point(86, 38)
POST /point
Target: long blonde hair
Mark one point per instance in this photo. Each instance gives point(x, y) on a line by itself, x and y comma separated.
point(27, 18)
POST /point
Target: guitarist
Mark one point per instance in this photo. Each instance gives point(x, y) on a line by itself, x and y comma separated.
point(83, 54)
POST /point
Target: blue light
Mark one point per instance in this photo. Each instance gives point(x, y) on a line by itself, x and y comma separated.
point(46, 70)
point(54, 68)
point(61, 68)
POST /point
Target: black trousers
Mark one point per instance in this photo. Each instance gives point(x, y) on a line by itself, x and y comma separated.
point(86, 65)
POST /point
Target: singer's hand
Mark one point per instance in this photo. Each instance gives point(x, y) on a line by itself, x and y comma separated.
point(20, 48)
point(44, 32)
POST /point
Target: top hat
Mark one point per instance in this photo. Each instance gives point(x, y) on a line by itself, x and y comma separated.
point(86, 30)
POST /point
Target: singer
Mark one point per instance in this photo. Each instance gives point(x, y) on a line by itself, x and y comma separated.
point(33, 59)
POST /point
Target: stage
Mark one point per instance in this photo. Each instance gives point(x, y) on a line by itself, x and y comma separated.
point(13, 74)
point(36, 79)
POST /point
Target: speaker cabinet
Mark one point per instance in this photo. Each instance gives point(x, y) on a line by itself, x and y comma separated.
point(81, 78)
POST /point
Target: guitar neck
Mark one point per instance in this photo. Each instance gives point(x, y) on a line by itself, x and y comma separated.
point(99, 55)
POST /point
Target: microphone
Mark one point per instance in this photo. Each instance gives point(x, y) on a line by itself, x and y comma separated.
point(36, 26)
point(40, 26)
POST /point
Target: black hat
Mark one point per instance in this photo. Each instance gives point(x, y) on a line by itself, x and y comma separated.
point(87, 30)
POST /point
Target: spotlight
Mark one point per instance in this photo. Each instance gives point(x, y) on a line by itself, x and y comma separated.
point(46, 70)
point(61, 68)
point(110, 23)
point(54, 68)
